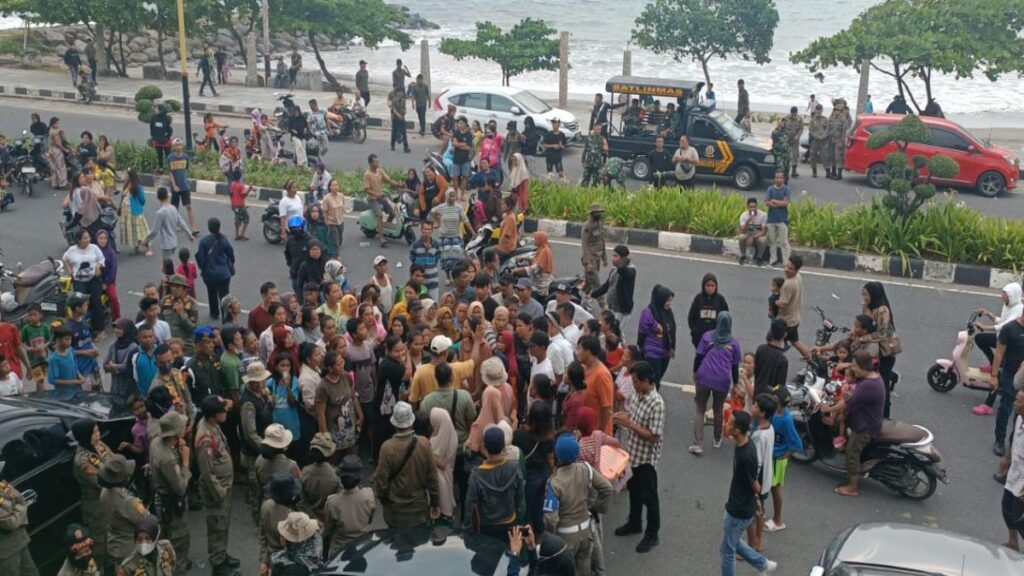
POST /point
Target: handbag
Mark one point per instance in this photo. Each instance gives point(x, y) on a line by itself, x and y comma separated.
point(891, 346)
point(348, 432)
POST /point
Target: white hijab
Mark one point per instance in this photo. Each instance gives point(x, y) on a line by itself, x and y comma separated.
point(518, 174)
point(444, 441)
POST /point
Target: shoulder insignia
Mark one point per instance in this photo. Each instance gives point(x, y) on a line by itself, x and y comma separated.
point(139, 507)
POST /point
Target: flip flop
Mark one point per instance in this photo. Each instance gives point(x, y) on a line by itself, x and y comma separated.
point(847, 494)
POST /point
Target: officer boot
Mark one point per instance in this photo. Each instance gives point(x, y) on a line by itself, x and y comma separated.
point(839, 174)
point(794, 174)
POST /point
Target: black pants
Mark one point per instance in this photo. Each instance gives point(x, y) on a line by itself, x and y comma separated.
point(1013, 512)
point(207, 81)
point(215, 291)
point(986, 342)
point(398, 133)
point(92, 70)
point(161, 153)
point(885, 367)
point(365, 96)
point(422, 114)
point(660, 366)
point(97, 314)
point(643, 491)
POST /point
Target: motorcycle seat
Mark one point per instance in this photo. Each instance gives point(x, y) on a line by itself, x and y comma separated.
point(895, 432)
point(34, 274)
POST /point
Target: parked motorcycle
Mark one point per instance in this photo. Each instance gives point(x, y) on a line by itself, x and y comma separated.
point(272, 222)
point(108, 221)
point(352, 125)
point(27, 163)
point(398, 226)
point(946, 373)
point(44, 283)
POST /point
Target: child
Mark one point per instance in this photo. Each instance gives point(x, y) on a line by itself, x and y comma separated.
point(787, 441)
point(763, 439)
point(37, 338)
point(773, 298)
point(138, 447)
point(841, 372)
point(143, 363)
point(739, 394)
point(85, 351)
point(10, 384)
point(210, 126)
point(109, 275)
point(187, 268)
point(62, 369)
point(613, 352)
point(239, 192)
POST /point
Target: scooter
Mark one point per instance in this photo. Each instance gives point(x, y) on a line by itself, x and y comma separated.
point(395, 227)
point(487, 236)
point(272, 222)
point(946, 373)
point(352, 125)
point(44, 283)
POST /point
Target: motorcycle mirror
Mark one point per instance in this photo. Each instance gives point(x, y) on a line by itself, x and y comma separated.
point(834, 296)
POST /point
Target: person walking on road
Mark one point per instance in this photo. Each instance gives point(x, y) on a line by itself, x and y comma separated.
point(216, 260)
point(777, 200)
point(656, 333)
point(166, 223)
point(399, 130)
point(705, 308)
point(619, 287)
point(791, 303)
point(593, 247)
point(715, 372)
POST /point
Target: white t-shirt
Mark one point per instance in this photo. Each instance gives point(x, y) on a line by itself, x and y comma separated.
point(387, 293)
point(85, 263)
point(541, 368)
point(289, 207)
point(688, 155)
point(757, 221)
point(1015, 476)
point(579, 318)
point(12, 386)
point(764, 442)
point(572, 334)
point(560, 354)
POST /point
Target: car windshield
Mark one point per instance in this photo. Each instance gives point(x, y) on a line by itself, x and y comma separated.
point(728, 125)
point(532, 104)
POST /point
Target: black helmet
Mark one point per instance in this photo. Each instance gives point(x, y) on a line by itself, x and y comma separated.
point(76, 299)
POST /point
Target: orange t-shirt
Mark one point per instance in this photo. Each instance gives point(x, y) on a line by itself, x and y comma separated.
point(507, 242)
point(600, 392)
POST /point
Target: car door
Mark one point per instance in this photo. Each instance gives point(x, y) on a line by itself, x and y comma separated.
point(501, 110)
point(474, 107)
point(704, 136)
point(949, 143)
point(37, 460)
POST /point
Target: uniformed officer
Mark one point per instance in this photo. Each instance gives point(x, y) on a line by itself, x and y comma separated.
point(612, 171)
point(593, 247)
point(272, 459)
point(216, 474)
point(818, 132)
point(122, 507)
point(90, 456)
point(595, 150)
point(319, 479)
point(79, 560)
point(14, 554)
point(173, 380)
point(632, 119)
point(169, 458)
point(838, 125)
point(796, 128)
point(255, 415)
point(203, 376)
point(151, 557)
point(283, 493)
point(180, 311)
point(780, 147)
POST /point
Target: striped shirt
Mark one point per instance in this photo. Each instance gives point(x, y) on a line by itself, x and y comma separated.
point(451, 217)
point(430, 258)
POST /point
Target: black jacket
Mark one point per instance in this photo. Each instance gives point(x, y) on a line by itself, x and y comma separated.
point(295, 250)
point(621, 282)
point(160, 127)
point(704, 310)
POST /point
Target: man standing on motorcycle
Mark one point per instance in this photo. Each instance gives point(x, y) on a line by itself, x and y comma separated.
point(373, 182)
point(864, 416)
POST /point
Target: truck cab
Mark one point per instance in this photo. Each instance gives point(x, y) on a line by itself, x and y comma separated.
point(724, 148)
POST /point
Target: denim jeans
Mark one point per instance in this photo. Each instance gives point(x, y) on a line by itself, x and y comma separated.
point(732, 544)
point(1006, 394)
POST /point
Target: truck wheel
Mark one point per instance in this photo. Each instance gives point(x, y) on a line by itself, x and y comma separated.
point(744, 177)
point(641, 168)
point(875, 171)
point(991, 184)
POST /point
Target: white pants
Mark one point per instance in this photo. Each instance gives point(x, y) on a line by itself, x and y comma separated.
point(778, 237)
point(300, 151)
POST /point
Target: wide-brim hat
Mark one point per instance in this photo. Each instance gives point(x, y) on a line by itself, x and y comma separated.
point(284, 488)
point(403, 417)
point(323, 443)
point(297, 527)
point(596, 208)
point(493, 372)
point(178, 280)
point(256, 372)
point(116, 470)
point(172, 424)
point(351, 467)
point(277, 436)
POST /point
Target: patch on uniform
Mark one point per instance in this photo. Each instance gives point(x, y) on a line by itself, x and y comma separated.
point(89, 470)
point(95, 461)
point(139, 507)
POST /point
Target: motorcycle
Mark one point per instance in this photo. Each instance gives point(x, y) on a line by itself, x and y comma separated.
point(283, 111)
point(284, 155)
point(44, 283)
point(946, 373)
point(28, 165)
point(828, 329)
point(352, 125)
point(108, 220)
point(487, 236)
point(272, 222)
point(398, 225)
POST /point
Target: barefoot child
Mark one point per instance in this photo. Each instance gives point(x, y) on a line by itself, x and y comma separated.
point(239, 192)
point(763, 438)
point(787, 441)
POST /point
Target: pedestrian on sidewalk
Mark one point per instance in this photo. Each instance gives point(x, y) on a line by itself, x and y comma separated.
point(742, 102)
point(778, 199)
point(160, 132)
point(363, 83)
point(397, 105)
point(293, 70)
point(90, 58)
point(206, 71)
point(281, 73)
point(220, 58)
point(398, 76)
point(421, 97)
point(743, 503)
point(73, 60)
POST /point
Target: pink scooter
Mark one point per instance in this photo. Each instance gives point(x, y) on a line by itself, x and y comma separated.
point(945, 374)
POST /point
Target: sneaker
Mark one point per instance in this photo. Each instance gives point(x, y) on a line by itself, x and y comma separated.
point(627, 529)
point(743, 260)
point(718, 443)
point(771, 526)
point(769, 567)
point(696, 450)
point(646, 544)
point(982, 410)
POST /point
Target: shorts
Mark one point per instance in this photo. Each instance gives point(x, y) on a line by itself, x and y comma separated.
point(379, 207)
point(1013, 512)
point(461, 169)
point(779, 465)
point(554, 165)
point(792, 334)
point(181, 197)
point(241, 215)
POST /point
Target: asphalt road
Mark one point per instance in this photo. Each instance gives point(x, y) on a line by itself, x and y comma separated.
point(693, 490)
point(118, 124)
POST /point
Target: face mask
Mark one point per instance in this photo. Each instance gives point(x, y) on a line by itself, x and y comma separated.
point(145, 548)
point(164, 367)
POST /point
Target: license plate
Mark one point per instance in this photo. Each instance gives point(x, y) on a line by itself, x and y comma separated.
point(28, 170)
point(48, 306)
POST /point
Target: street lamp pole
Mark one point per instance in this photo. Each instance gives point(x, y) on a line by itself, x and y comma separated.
point(266, 42)
point(183, 56)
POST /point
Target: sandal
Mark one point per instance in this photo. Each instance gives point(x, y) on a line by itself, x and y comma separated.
point(842, 492)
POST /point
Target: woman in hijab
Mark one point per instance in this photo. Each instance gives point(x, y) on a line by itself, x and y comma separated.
point(987, 334)
point(656, 333)
point(876, 305)
point(109, 273)
point(90, 455)
point(716, 369)
point(591, 439)
point(303, 546)
point(311, 271)
point(446, 324)
point(444, 443)
point(492, 404)
point(705, 308)
point(118, 361)
point(291, 306)
point(349, 308)
point(519, 183)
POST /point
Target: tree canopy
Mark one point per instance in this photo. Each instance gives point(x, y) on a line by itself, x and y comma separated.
point(909, 180)
point(913, 39)
point(529, 45)
point(701, 30)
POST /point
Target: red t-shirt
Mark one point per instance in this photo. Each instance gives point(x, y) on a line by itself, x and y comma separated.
point(600, 392)
point(259, 320)
point(238, 194)
point(10, 343)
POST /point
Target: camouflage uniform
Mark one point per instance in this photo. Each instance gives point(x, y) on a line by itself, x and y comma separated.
point(780, 149)
point(594, 254)
point(796, 128)
point(818, 131)
point(614, 169)
point(838, 126)
point(631, 123)
point(593, 159)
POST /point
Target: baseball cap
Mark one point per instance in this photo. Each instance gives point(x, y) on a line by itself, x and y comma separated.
point(440, 344)
point(524, 284)
point(379, 258)
point(560, 287)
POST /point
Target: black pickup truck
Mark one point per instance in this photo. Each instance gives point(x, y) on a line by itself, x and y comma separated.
point(724, 148)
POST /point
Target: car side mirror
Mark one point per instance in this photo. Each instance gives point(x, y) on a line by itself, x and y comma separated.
point(817, 571)
point(516, 110)
point(972, 149)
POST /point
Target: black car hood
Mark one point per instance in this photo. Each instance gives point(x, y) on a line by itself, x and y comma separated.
point(95, 405)
point(420, 551)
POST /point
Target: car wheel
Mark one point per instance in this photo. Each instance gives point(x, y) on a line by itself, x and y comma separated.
point(744, 177)
point(875, 171)
point(641, 168)
point(991, 184)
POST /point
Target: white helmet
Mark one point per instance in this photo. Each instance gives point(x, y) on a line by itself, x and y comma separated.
point(7, 302)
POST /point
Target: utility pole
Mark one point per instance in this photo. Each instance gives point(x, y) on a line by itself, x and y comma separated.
point(266, 42)
point(183, 57)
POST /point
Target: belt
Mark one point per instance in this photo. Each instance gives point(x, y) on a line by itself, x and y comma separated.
point(575, 528)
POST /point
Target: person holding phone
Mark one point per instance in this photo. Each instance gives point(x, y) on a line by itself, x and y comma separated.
point(753, 233)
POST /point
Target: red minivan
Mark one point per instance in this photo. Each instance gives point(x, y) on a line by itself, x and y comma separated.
point(989, 169)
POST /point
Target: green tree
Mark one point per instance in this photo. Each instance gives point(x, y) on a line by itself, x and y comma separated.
point(373, 21)
point(701, 30)
point(914, 39)
point(529, 45)
point(909, 179)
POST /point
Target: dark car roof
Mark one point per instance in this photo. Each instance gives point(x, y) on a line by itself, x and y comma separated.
point(421, 551)
point(928, 550)
point(651, 86)
point(92, 404)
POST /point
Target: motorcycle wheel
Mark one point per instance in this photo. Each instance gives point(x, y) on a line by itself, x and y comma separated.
point(369, 233)
point(26, 187)
point(271, 234)
point(941, 379)
point(358, 134)
point(920, 484)
point(808, 454)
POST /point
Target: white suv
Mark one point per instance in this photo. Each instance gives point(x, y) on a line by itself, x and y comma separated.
point(502, 104)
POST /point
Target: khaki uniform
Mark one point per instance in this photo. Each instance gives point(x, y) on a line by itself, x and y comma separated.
point(14, 554)
point(838, 125)
point(818, 128)
point(319, 481)
point(170, 483)
point(265, 470)
point(407, 493)
point(572, 484)
point(592, 242)
point(161, 563)
point(216, 474)
point(270, 539)
point(85, 467)
point(178, 389)
point(123, 510)
point(347, 516)
point(254, 416)
point(796, 128)
point(182, 325)
point(68, 569)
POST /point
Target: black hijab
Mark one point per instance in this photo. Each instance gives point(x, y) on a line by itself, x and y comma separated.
point(554, 558)
point(665, 318)
point(81, 431)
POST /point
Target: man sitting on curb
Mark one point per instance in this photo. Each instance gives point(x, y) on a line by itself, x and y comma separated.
point(753, 233)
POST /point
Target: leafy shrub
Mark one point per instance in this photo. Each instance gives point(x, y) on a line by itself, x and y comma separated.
point(149, 92)
point(172, 105)
point(144, 106)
